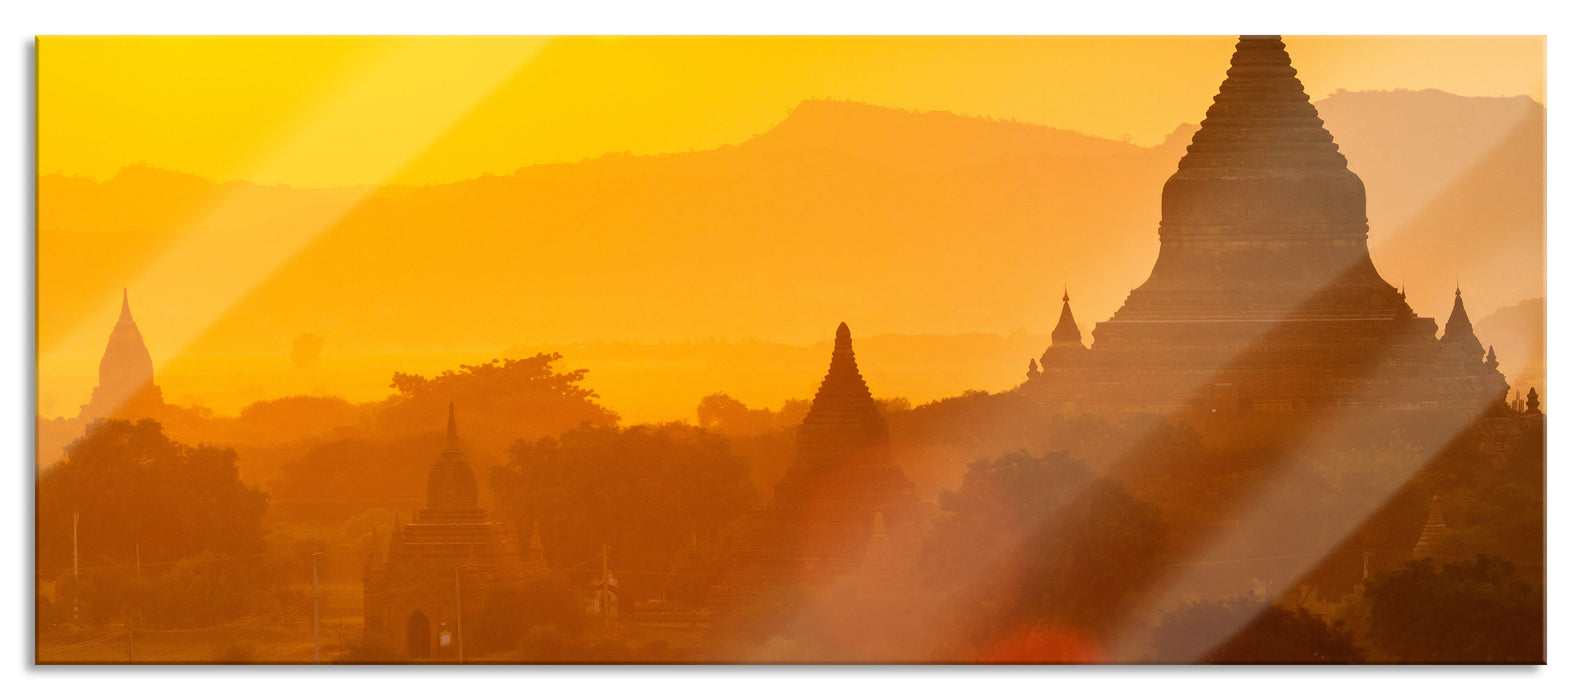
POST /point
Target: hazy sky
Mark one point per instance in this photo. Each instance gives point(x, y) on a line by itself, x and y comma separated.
point(337, 111)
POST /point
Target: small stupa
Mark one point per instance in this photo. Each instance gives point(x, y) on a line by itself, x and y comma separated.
point(1430, 544)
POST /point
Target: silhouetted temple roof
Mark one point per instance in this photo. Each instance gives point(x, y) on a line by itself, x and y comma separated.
point(1458, 328)
point(452, 487)
point(1065, 342)
point(843, 397)
point(1262, 155)
point(1262, 115)
point(1066, 331)
point(843, 424)
point(126, 361)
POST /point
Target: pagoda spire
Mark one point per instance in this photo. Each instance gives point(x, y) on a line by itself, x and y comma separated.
point(452, 441)
point(1434, 531)
point(1066, 331)
point(126, 372)
point(1459, 336)
point(843, 392)
point(843, 423)
point(1261, 104)
point(452, 486)
point(1065, 342)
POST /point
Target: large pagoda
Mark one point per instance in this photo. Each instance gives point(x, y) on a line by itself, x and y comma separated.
point(1264, 296)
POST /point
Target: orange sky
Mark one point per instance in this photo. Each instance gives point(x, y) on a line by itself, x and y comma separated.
point(339, 111)
point(317, 112)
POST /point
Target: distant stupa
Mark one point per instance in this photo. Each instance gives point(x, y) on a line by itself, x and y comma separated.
point(1264, 297)
point(126, 374)
point(843, 481)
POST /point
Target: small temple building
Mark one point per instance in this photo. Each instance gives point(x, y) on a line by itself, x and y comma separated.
point(126, 374)
point(450, 555)
point(1264, 297)
point(843, 493)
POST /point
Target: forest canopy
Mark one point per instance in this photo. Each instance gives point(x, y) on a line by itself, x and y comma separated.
point(136, 493)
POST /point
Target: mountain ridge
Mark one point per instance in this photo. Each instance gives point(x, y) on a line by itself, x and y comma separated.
point(773, 237)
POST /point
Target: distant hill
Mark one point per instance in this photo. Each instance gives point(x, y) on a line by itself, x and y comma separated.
point(665, 381)
point(895, 221)
point(1455, 192)
point(1517, 333)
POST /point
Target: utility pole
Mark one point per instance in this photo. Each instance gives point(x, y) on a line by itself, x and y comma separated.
point(461, 655)
point(1365, 556)
point(316, 607)
point(76, 576)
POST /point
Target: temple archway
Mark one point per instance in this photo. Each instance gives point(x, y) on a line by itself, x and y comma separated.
point(417, 635)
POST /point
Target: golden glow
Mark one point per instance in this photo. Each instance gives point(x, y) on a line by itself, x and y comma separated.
point(222, 108)
point(335, 112)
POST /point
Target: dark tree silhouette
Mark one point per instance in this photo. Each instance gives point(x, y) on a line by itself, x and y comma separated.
point(496, 402)
point(654, 494)
point(1032, 539)
point(1246, 630)
point(135, 489)
point(1464, 612)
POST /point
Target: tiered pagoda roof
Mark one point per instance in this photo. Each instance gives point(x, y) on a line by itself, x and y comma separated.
point(843, 425)
point(1262, 217)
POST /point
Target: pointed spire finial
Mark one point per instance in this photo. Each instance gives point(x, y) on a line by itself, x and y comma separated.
point(451, 441)
point(843, 338)
point(1065, 293)
point(126, 305)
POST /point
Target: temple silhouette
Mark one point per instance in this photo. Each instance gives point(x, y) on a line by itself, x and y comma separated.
point(1264, 298)
point(126, 374)
point(450, 555)
point(844, 505)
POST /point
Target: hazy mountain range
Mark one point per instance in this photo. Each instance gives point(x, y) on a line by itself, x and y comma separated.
point(897, 222)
